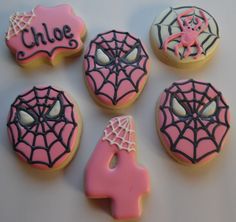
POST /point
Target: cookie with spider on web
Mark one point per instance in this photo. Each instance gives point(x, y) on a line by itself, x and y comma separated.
point(116, 68)
point(193, 121)
point(113, 172)
point(44, 35)
point(44, 127)
point(185, 37)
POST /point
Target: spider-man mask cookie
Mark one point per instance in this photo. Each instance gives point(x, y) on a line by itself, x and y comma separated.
point(184, 36)
point(116, 68)
point(44, 127)
point(192, 121)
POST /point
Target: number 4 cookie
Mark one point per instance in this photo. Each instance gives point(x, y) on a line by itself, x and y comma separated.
point(123, 183)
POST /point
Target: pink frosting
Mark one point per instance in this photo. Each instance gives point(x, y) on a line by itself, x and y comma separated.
point(102, 78)
point(52, 19)
point(47, 137)
point(127, 181)
point(192, 139)
point(188, 36)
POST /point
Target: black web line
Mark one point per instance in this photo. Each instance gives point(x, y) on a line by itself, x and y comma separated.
point(116, 68)
point(21, 138)
point(205, 49)
point(188, 120)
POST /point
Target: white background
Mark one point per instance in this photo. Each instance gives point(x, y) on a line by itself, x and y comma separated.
point(178, 193)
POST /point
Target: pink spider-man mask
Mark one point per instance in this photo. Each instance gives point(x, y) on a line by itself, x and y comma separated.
point(193, 120)
point(116, 67)
point(43, 126)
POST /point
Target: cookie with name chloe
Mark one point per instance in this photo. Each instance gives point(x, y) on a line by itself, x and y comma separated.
point(44, 35)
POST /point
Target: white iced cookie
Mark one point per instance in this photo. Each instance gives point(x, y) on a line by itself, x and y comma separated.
point(184, 36)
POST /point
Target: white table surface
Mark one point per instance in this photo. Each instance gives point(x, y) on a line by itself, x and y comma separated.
point(178, 193)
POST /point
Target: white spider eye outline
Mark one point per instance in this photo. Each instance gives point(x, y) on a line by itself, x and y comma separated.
point(209, 109)
point(55, 110)
point(132, 56)
point(178, 109)
point(25, 118)
point(102, 58)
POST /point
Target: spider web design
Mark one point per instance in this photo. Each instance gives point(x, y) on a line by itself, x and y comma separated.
point(185, 131)
point(52, 136)
point(116, 45)
point(18, 22)
point(167, 26)
point(120, 131)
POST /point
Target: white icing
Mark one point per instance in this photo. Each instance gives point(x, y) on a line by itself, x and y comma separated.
point(18, 22)
point(132, 56)
point(178, 108)
point(209, 110)
point(102, 57)
point(161, 25)
point(55, 110)
point(121, 133)
point(25, 118)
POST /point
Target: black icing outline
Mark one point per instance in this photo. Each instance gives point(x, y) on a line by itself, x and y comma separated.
point(17, 105)
point(115, 99)
point(20, 55)
point(72, 43)
point(189, 118)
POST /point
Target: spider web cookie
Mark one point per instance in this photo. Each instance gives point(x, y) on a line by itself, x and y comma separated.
point(116, 68)
point(193, 121)
point(184, 35)
point(44, 127)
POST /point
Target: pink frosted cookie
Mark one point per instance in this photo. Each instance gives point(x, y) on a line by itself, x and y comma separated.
point(45, 34)
point(192, 121)
point(116, 68)
point(185, 36)
point(112, 171)
point(44, 127)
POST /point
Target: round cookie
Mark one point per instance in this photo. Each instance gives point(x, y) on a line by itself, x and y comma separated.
point(44, 35)
point(184, 37)
point(116, 68)
point(44, 127)
point(193, 121)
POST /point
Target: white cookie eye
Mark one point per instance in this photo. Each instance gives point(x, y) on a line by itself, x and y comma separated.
point(55, 110)
point(102, 58)
point(209, 109)
point(25, 118)
point(178, 108)
point(131, 57)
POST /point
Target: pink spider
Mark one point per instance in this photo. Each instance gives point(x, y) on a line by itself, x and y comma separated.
point(188, 36)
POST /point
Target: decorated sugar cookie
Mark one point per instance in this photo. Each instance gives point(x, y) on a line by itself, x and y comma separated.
point(45, 35)
point(44, 127)
point(112, 171)
point(192, 121)
point(185, 36)
point(116, 68)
